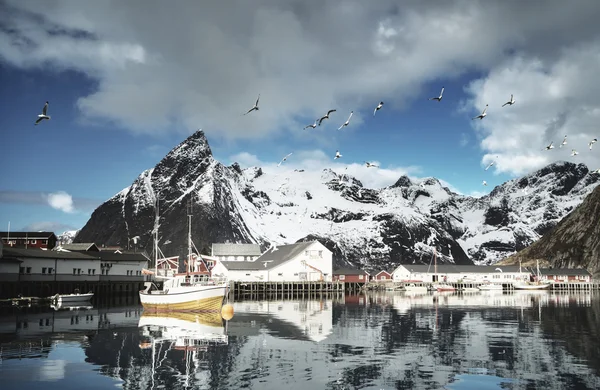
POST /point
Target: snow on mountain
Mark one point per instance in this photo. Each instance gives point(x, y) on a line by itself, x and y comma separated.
point(67, 237)
point(372, 228)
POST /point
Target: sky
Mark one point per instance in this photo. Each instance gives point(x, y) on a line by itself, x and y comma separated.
point(128, 81)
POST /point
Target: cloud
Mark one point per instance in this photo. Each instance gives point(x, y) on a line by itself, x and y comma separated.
point(58, 200)
point(553, 98)
point(61, 201)
point(317, 160)
point(202, 64)
point(47, 226)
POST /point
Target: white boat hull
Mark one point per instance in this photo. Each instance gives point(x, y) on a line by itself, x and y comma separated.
point(490, 287)
point(519, 286)
point(73, 298)
point(197, 298)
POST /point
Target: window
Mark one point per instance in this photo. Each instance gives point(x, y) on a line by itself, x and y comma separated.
point(21, 270)
point(280, 274)
point(74, 271)
point(320, 253)
point(44, 241)
point(28, 270)
point(342, 277)
point(247, 274)
point(305, 253)
point(383, 277)
point(50, 270)
point(78, 271)
point(89, 271)
point(94, 271)
point(43, 270)
point(361, 276)
point(33, 242)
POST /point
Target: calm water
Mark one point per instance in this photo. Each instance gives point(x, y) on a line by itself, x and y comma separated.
point(487, 340)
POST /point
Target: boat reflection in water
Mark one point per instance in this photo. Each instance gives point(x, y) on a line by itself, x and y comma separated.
point(196, 334)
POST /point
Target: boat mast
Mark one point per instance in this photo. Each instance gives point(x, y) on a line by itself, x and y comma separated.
point(156, 220)
point(189, 238)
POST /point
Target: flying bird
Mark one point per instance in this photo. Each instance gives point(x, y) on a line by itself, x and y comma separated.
point(574, 152)
point(377, 108)
point(313, 125)
point(564, 142)
point(484, 183)
point(43, 115)
point(284, 159)
point(483, 113)
point(326, 116)
point(491, 164)
point(510, 102)
point(370, 165)
point(592, 142)
point(550, 146)
point(255, 107)
point(438, 98)
point(337, 155)
point(347, 122)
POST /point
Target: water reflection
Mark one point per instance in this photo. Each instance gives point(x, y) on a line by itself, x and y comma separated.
point(388, 340)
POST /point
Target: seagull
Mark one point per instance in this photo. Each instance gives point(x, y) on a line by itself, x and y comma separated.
point(483, 114)
point(284, 159)
point(491, 164)
point(313, 125)
point(347, 122)
point(439, 98)
point(550, 146)
point(592, 142)
point(370, 165)
point(484, 183)
point(337, 155)
point(255, 107)
point(510, 102)
point(43, 115)
point(377, 108)
point(564, 142)
point(326, 116)
point(574, 152)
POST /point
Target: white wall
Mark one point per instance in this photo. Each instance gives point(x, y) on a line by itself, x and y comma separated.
point(9, 267)
point(402, 273)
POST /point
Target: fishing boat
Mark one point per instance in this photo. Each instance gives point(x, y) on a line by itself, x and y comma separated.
point(537, 284)
point(76, 297)
point(194, 290)
point(437, 286)
point(490, 286)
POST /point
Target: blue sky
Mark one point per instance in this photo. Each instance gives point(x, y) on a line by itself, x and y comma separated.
point(123, 92)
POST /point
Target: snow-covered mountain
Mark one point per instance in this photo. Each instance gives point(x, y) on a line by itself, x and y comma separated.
point(370, 228)
point(67, 237)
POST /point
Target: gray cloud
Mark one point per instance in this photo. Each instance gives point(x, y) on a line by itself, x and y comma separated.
point(202, 64)
point(42, 198)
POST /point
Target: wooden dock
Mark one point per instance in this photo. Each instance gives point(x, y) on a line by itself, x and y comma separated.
point(572, 286)
point(23, 301)
point(285, 289)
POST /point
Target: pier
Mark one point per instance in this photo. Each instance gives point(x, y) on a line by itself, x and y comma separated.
point(563, 286)
point(285, 289)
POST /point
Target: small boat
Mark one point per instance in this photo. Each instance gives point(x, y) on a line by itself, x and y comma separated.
point(73, 306)
point(415, 287)
point(490, 286)
point(443, 287)
point(535, 285)
point(76, 297)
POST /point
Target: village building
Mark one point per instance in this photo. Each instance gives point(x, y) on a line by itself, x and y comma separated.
point(28, 240)
point(382, 276)
point(304, 261)
point(350, 275)
point(235, 252)
point(87, 247)
point(452, 273)
point(564, 275)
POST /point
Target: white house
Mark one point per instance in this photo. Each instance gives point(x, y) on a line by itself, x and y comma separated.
point(452, 273)
point(235, 252)
point(65, 266)
point(304, 261)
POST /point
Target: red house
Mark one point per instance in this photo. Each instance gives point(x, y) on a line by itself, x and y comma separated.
point(29, 240)
point(348, 275)
point(383, 276)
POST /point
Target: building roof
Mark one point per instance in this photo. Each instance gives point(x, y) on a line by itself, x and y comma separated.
point(7, 259)
point(112, 256)
point(42, 254)
point(272, 258)
point(565, 271)
point(456, 269)
point(28, 235)
point(349, 271)
point(83, 246)
point(235, 250)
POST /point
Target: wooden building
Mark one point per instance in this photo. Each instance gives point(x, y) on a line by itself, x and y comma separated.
point(304, 261)
point(349, 275)
point(564, 275)
point(235, 252)
point(29, 240)
point(382, 276)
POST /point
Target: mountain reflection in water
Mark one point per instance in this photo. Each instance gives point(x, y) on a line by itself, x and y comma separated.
point(391, 340)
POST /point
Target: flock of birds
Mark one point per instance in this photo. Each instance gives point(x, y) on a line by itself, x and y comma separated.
point(44, 116)
point(439, 98)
